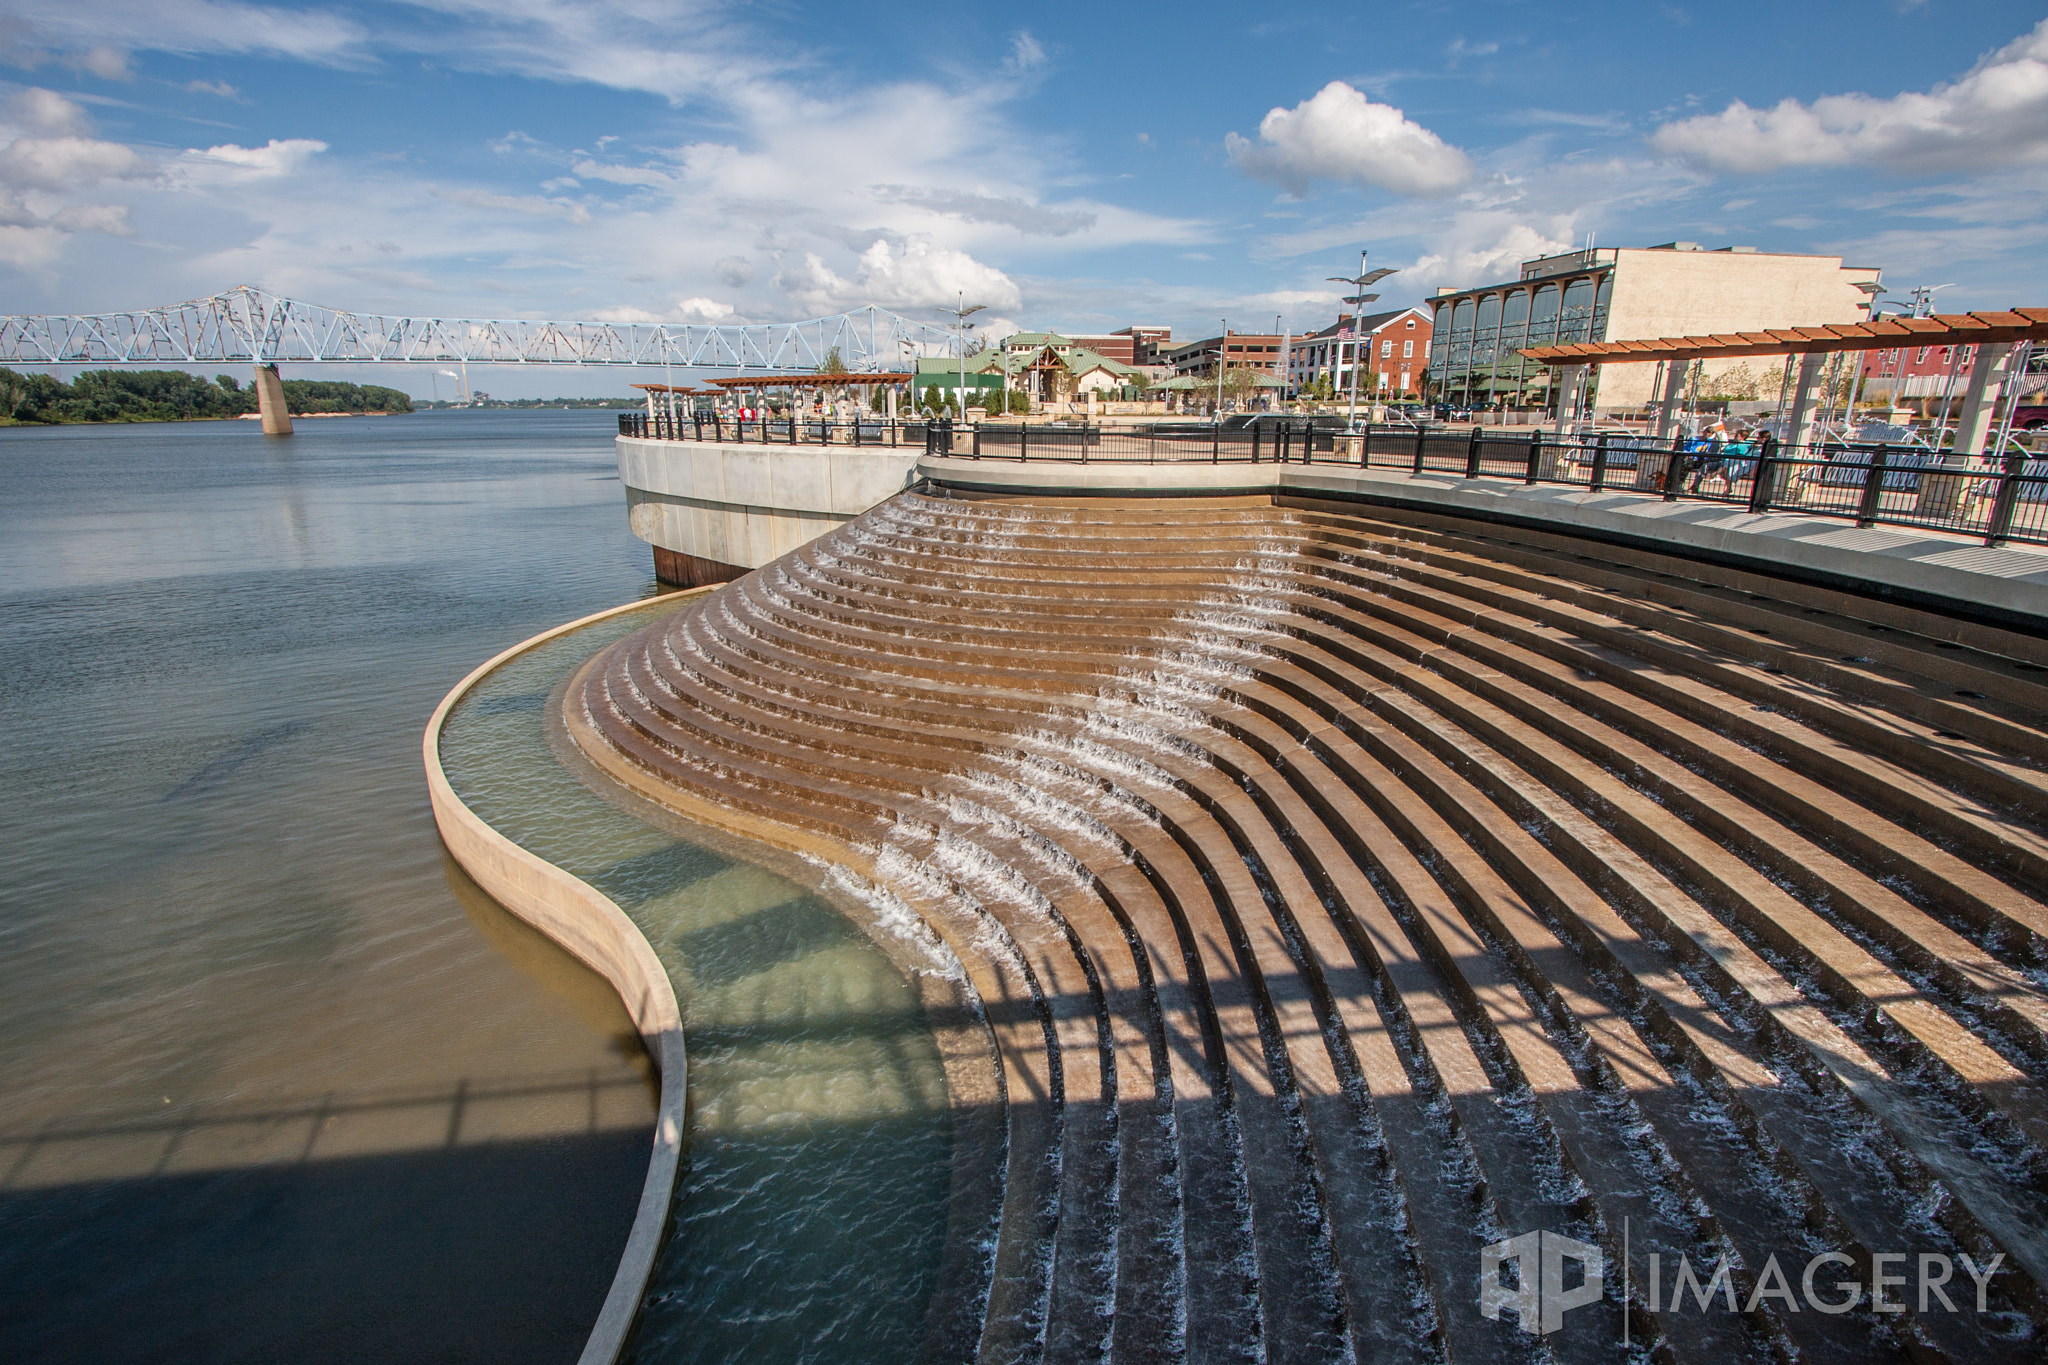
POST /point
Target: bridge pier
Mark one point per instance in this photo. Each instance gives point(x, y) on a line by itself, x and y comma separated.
point(277, 418)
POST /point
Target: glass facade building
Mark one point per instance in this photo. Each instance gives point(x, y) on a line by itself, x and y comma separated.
point(1475, 355)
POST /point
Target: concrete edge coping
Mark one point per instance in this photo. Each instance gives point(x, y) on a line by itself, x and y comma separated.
point(596, 931)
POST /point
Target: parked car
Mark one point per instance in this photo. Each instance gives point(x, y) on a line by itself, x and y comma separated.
point(1451, 412)
point(2029, 418)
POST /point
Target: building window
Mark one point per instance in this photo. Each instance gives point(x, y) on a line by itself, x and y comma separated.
point(1921, 359)
point(1411, 324)
point(1387, 348)
point(1407, 350)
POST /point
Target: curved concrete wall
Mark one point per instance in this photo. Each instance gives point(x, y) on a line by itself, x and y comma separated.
point(749, 504)
point(591, 926)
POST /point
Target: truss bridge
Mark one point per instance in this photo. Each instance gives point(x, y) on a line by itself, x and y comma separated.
point(254, 326)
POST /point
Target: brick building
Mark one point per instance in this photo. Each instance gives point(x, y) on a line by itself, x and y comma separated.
point(1392, 347)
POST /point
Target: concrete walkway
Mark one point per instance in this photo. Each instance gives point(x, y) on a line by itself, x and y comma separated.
point(2007, 585)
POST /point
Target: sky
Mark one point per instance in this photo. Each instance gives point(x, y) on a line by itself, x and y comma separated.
point(1073, 167)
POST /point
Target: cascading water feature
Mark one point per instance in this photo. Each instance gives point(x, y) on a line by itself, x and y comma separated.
point(1342, 894)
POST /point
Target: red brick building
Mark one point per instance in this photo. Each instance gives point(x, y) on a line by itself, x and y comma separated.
point(1392, 347)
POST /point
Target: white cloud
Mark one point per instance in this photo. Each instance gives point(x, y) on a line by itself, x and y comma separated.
point(231, 163)
point(77, 33)
point(919, 277)
point(1030, 219)
point(1480, 246)
point(622, 175)
point(109, 64)
point(30, 248)
point(1338, 134)
point(107, 218)
point(64, 163)
point(44, 111)
point(702, 310)
point(47, 156)
point(1995, 115)
point(529, 205)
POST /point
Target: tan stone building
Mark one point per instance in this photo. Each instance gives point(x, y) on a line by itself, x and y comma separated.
point(1624, 294)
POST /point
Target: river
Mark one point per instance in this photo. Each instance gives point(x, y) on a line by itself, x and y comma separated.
point(278, 1082)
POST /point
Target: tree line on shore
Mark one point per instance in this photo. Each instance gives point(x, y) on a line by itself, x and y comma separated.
point(173, 396)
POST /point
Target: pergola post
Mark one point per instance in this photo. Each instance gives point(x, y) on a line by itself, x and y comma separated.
point(1806, 397)
point(1980, 402)
point(1568, 396)
point(1674, 393)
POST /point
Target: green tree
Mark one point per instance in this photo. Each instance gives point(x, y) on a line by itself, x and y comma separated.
point(832, 364)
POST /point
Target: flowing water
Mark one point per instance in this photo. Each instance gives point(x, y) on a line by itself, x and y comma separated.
point(279, 1082)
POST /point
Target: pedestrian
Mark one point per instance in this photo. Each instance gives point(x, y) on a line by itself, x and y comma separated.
point(1710, 461)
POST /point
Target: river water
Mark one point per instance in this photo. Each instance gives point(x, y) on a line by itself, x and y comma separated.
point(279, 1082)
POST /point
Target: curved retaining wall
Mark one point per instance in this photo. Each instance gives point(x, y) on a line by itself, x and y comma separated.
point(591, 926)
point(745, 505)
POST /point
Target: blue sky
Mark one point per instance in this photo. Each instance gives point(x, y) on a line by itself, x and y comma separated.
point(1080, 167)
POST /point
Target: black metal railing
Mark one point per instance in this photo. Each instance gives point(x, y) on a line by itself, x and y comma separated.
point(1871, 485)
point(771, 430)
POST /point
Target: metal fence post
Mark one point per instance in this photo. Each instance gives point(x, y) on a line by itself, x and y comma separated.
point(1599, 479)
point(1766, 474)
point(1023, 441)
point(1873, 488)
point(2007, 498)
point(977, 442)
point(1535, 465)
point(1674, 472)
point(1364, 448)
point(1421, 435)
point(1472, 452)
point(1216, 441)
point(1255, 440)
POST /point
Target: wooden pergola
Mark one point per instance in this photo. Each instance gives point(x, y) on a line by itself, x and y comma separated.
point(812, 381)
point(1998, 334)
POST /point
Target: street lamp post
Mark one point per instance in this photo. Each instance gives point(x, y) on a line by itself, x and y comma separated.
point(1222, 351)
point(960, 315)
point(1359, 300)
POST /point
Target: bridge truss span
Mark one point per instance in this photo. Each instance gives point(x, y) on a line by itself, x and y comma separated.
point(251, 325)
